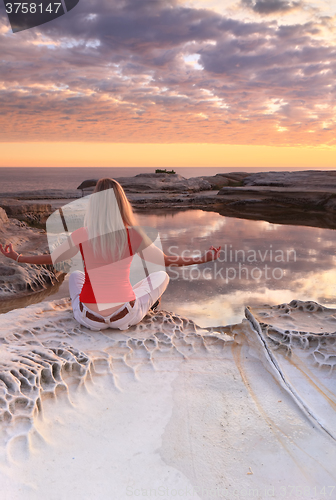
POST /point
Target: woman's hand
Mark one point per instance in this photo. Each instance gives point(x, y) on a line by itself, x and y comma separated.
point(212, 254)
point(8, 251)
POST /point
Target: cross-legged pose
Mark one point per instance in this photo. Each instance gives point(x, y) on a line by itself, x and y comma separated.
point(103, 297)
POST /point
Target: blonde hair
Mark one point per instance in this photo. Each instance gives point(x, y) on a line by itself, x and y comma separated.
point(106, 218)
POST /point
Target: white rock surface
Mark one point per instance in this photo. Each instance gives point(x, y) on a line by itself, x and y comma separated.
point(163, 406)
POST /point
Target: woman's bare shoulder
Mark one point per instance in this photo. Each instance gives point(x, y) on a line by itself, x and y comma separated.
point(79, 235)
point(139, 238)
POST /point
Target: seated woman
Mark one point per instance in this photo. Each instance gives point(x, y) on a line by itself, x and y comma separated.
point(103, 297)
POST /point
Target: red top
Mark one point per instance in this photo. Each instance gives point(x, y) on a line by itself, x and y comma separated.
point(106, 281)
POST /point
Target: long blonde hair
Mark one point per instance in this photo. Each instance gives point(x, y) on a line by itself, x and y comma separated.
point(106, 218)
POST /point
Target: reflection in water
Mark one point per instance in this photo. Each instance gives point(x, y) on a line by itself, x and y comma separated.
point(51, 292)
point(260, 263)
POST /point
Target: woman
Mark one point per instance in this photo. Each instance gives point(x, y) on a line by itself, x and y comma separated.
point(103, 297)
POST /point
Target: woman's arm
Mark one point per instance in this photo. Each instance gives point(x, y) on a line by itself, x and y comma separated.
point(63, 252)
point(156, 256)
point(151, 253)
point(181, 260)
point(9, 252)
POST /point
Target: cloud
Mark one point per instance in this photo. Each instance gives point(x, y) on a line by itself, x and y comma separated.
point(271, 6)
point(123, 67)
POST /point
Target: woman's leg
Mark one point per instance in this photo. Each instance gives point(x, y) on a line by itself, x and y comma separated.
point(76, 282)
point(147, 291)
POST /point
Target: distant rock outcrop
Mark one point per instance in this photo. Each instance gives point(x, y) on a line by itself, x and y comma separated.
point(157, 182)
point(298, 197)
point(87, 185)
point(303, 179)
point(163, 182)
point(228, 179)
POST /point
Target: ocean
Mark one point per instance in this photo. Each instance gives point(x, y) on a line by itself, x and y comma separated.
point(18, 179)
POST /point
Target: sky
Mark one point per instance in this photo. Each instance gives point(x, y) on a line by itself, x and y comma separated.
point(172, 83)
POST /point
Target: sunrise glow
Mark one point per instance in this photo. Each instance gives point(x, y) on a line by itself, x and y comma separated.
point(171, 83)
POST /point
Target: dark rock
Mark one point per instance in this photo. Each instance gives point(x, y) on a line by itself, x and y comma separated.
point(162, 175)
point(303, 179)
point(87, 184)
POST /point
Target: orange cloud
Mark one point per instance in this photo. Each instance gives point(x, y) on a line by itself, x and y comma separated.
point(69, 154)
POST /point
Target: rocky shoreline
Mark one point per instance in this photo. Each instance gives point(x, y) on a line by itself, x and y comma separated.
point(306, 198)
point(300, 198)
point(268, 379)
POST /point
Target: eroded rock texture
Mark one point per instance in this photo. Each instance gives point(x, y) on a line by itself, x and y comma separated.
point(19, 279)
point(46, 353)
point(299, 342)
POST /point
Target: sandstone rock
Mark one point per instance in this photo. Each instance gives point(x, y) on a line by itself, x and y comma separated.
point(260, 396)
point(26, 210)
point(331, 204)
point(217, 181)
point(163, 182)
point(43, 194)
point(3, 217)
point(230, 179)
point(291, 194)
point(280, 205)
point(163, 176)
point(303, 179)
point(171, 182)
